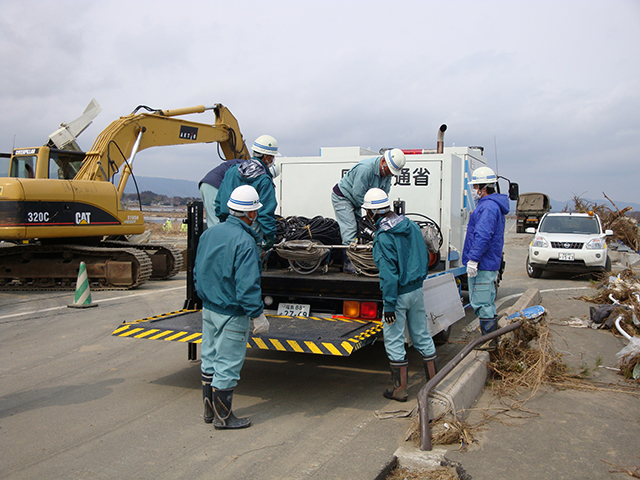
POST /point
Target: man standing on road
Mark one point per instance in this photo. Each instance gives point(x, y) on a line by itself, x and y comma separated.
point(402, 258)
point(227, 278)
point(348, 194)
point(255, 172)
point(482, 251)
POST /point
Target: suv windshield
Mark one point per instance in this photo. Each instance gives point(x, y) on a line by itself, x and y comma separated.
point(569, 224)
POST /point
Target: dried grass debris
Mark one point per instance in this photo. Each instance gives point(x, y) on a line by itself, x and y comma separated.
point(633, 472)
point(630, 367)
point(526, 360)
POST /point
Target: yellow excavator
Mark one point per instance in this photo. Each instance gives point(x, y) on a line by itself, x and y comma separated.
point(61, 206)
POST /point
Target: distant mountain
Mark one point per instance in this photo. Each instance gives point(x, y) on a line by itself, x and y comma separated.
point(164, 186)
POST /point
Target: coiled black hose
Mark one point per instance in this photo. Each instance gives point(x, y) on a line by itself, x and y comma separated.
point(318, 229)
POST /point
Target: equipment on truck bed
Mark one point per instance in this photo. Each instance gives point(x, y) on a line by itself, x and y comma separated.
point(61, 207)
point(321, 335)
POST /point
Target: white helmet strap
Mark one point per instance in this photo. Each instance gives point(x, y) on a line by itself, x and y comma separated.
point(239, 214)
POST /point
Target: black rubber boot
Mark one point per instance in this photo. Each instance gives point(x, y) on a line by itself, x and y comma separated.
point(207, 397)
point(224, 417)
point(488, 325)
point(430, 366)
point(400, 378)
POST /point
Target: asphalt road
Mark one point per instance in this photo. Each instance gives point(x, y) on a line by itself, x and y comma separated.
point(78, 403)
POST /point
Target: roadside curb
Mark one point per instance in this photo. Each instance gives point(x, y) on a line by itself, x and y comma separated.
point(462, 387)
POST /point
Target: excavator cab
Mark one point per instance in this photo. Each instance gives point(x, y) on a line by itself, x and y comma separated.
point(64, 164)
point(23, 166)
point(45, 162)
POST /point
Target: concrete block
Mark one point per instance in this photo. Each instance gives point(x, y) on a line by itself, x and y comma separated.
point(462, 386)
point(414, 459)
point(628, 259)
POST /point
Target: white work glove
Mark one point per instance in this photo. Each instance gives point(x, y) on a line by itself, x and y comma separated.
point(260, 325)
point(472, 269)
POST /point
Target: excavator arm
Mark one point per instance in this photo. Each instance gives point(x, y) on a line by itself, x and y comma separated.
point(117, 145)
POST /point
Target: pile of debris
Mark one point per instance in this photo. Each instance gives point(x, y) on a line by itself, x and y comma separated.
point(526, 360)
point(625, 228)
point(618, 298)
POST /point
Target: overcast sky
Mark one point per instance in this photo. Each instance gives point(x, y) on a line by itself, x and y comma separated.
point(551, 89)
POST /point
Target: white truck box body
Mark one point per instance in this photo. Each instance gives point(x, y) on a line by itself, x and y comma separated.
point(430, 184)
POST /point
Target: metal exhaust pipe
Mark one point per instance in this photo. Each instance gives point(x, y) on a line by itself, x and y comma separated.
point(440, 144)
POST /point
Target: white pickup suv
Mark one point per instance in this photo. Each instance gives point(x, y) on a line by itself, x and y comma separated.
point(568, 242)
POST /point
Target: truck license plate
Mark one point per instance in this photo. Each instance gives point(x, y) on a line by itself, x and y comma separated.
point(566, 256)
point(294, 309)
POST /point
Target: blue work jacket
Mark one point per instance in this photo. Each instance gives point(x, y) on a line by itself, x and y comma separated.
point(485, 232)
point(215, 176)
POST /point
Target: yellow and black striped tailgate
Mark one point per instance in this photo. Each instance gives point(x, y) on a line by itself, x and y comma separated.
point(318, 335)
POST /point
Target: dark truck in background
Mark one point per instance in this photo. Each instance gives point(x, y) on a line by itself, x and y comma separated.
point(530, 209)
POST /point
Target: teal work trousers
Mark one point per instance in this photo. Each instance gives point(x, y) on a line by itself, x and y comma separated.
point(209, 194)
point(482, 293)
point(346, 218)
point(410, 312)
point(224, 347)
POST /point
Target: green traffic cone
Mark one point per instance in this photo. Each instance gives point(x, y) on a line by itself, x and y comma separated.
point(82, 297)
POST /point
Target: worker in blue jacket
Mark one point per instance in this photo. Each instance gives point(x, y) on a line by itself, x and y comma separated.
point(402, 259)
point(227, 278)
point(483, 246)
point(348, 194)
point(257, 173)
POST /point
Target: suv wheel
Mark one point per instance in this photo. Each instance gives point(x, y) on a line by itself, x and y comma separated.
point(532, 271)
point(607, 270)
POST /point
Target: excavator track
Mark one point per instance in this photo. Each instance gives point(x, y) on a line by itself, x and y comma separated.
point(33, 267)
point(166, 259)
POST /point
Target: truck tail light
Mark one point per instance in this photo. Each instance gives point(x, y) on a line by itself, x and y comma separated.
point(368, 310)
point(351, 309)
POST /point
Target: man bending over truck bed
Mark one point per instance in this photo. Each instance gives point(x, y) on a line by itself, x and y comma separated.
point(348, 194)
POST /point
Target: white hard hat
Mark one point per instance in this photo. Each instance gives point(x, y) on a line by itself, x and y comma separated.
point(266, 144)
point(275, 169)
point(375, 199)
point(244, 199)
point(483, 176)
point(395, 160)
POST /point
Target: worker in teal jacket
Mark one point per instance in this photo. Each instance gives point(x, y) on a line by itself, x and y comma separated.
point(402, 259)
point(348, 194)
point(227, 278)
point(257, 173)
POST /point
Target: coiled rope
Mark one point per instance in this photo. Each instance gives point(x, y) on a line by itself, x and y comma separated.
point(361, 257)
